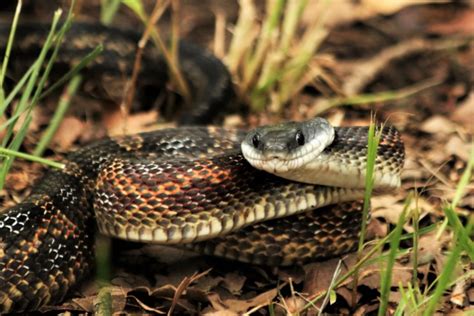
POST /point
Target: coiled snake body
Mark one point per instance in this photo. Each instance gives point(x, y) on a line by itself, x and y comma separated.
point(191, 185)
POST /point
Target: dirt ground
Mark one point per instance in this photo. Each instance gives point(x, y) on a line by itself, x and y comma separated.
point(422, 54)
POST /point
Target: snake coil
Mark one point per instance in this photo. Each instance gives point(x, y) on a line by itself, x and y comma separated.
point(189, 185)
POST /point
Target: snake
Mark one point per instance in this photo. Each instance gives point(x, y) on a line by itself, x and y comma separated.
point(277, 195)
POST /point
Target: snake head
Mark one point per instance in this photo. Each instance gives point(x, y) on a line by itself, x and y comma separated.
point(287, 146)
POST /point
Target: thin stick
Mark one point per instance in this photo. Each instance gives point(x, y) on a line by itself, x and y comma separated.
point(131, 84)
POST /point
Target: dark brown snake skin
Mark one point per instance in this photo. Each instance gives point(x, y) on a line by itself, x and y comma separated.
point(194, 185)
point(105, 77)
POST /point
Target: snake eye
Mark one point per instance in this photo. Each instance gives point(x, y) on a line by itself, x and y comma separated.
point(256, 140)
point(299, 137)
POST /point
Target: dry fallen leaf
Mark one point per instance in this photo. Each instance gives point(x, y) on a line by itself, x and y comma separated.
point(458, 295)
point(234, 282)
point(242, 306)
point(70, 130)
point(438, 125)
point(117, 124)
point(431, 248)
point(464, 113)
point(370, 275)
point(455, 146)
point(319, 276)
point(462, 23)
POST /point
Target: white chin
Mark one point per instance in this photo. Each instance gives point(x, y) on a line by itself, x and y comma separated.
point(275, 166)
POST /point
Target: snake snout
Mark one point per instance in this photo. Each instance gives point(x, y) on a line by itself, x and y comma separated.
point(276, 152)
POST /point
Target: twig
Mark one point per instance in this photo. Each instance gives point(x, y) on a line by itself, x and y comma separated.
point(131, 84)
point(183, 286)
point(219, 34)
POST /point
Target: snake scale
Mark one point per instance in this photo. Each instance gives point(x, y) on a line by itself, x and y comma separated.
point(186, 186)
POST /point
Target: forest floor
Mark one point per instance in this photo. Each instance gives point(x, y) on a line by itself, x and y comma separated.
point(411, 65)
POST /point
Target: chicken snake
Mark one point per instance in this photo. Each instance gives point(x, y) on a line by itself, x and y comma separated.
point(189, 185)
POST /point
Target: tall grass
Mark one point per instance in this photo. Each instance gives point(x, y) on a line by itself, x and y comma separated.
point(30, 89)
point(34, 83)
point(387, 270)
point(270, 61)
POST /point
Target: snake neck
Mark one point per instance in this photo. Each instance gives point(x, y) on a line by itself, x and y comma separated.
point(343, 163)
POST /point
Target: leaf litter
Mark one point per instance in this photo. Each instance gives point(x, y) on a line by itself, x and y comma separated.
point(437, 127)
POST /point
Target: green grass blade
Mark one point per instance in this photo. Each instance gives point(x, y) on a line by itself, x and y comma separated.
point(103, 263)
point(57, 44)
point(444, 278)
point(269, 27)
point(386, 277)
point(8, 49)
point(137, 7)
point(20, 84)
point(23, 103)
point(11, 153)
point(25, 106)
point(463, 236)
point(354, 268)
point(450, 212)
point(330, 290)
point(33, 87)
point(403, 301)
point(465, 179)
point(63, 106)
point(293, 12)
point(415, 216)
point(74, 71)
point(373, 143)
point(108, 9)
point(461, 240)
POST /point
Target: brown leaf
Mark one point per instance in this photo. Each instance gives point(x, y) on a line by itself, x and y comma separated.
point(370, 276)
point(234, 282)
point(146, 307)
point(183, 286)
point(464, 113)
point(366, 309)
point(293, 305)
point(319, 276)
point(130, 280)
point(376, 228)
point(242, 306)
point(221, 313)
point(458, 295)
point(347, 294)
point(118, 124)
point(70, 130)
point(390, 208)
point(462, 23)
point(207, 283)
point(438, 125)
point(455, 146)
point(431, 248)
point(118, 299)
point(18, 180)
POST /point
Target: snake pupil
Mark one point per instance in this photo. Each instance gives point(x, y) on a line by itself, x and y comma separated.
point(256, 140)
point(299, 138)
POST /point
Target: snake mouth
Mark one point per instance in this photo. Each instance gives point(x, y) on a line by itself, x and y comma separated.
point(277, 162)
